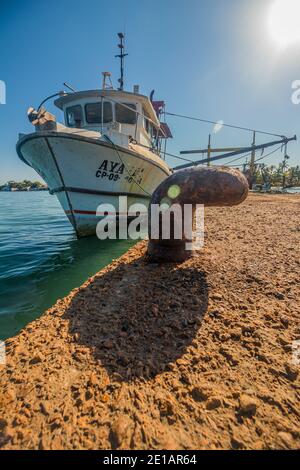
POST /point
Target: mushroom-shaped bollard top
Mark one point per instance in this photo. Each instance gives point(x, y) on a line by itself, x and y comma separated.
point(209, 186)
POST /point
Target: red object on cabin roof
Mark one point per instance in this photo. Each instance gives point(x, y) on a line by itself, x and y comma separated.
point(158, 106)
point(164, 130)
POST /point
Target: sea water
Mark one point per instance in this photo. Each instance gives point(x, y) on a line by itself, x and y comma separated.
point(41, 259)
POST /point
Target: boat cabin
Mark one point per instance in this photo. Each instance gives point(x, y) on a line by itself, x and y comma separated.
point(113, 111)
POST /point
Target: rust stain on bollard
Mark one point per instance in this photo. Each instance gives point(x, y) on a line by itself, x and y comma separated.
point(210, 186)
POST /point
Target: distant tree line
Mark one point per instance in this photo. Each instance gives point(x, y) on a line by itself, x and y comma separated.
point(281, 175)
point(24, 185)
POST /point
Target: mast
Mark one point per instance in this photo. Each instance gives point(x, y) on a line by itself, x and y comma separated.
point(121, 56)
point(252, 161)
point(209, 150)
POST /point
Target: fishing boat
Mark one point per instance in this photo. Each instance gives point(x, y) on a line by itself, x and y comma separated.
point(113, 144)
point(110, 145)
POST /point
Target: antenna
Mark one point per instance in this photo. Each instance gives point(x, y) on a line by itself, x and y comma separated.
point(121, 56)
point(69, 86)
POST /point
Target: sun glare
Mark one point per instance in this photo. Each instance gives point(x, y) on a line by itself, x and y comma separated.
point(284, 22)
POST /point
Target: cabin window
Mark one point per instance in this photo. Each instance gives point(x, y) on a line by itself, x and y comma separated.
point(74, 116)
point(93, 112)
point(147, 125)
point(125, 115)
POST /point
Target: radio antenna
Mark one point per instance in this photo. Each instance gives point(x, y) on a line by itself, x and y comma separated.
point(70, 87)
point(121, 56)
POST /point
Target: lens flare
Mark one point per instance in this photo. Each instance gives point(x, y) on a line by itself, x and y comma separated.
point(284, 22)
point(218, 127)
point(174, 191)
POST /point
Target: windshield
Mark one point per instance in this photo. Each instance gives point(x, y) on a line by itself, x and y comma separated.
point(74, 116)
point(93, 113)
point(125, 115)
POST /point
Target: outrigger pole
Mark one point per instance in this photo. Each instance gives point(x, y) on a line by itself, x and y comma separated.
point(233, 153)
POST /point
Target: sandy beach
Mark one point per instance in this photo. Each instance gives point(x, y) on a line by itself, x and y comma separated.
point(197, 355)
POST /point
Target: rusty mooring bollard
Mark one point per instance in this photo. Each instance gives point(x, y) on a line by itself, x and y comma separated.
point(210, 186)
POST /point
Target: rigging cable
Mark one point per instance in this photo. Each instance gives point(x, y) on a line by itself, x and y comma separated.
point(268, 154)
point(237, 159)
point(223, 124)
point(259, 159)
point(152, 149)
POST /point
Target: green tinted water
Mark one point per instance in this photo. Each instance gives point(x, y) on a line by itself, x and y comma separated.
point(40, 258)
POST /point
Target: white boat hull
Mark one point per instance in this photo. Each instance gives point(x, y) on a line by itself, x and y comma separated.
point(85, 173)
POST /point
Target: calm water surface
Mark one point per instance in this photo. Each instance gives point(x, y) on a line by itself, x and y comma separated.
point(40, 258)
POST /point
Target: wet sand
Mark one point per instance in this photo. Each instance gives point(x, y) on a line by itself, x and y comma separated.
point(197, 355)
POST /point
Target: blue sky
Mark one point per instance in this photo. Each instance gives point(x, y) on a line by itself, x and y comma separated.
point(208, 58)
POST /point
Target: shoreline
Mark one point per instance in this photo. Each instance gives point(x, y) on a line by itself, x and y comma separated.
point(24, 190)
point(271, 192)
point(196, 355)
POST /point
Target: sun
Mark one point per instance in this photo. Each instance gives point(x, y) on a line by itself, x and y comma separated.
point(284, 22)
